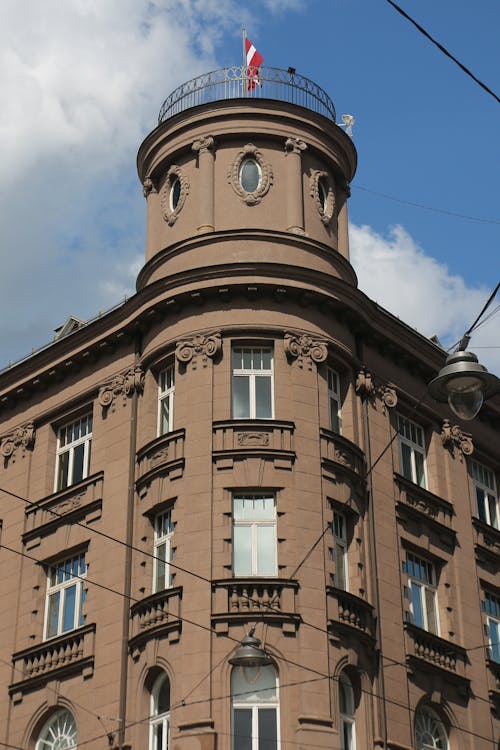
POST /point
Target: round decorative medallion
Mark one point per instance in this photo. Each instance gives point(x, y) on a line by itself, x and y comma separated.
point(173, 194)
point(322, 194)
point(249, 176)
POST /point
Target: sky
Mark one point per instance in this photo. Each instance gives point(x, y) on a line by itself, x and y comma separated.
point(81, 85)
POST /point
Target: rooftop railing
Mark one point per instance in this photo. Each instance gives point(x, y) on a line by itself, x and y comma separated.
point(233, 83)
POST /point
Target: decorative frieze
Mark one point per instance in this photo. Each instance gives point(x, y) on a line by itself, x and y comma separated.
point(368, 389)
point(199, 348)
point(124, 385)
point(452, 436)
point(305, 349)
point(266, 175)
point(21, 439)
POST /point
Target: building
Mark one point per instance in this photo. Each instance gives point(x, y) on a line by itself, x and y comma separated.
point(246, 443)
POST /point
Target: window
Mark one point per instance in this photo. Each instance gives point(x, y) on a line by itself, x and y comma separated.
point(65, 596)
point(254, 536)
point(422, 592)
point(486, 494)
point(252, 383)
point(339, 552)
point(163, 533)
point(73, 452)
point(334, 401)
point(250, 175)
point(175, 193)
point(430, 733)
point(159, 722)
point(59, 733)
point(491, 606)
point(347, 709)
point(412, 451)
point(166, 389)
point(255, 708)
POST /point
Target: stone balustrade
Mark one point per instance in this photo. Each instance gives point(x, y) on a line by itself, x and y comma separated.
point(438, 652)
point(349, 610)
point(237, 439)
point(157, 615)
point(241, 599)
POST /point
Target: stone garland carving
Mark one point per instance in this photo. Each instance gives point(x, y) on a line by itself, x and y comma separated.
point(202, 345)
point(170, 214)
point(366, 388)
point(305, 349)
point(325, 211)
point(123, 385)
point(452, 435)
point(148, 187)
point(423, 505)
point(266, 175)
point(295, 145)
point(253, 439)
point(203, 144)
point(22, 437)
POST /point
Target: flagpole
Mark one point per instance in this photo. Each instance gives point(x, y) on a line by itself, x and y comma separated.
point(243, 70)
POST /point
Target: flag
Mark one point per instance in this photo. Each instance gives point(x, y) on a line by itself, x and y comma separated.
point(253, 61)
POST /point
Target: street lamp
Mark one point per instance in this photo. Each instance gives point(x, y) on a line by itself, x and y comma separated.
point(464, 384)
point(249, 653)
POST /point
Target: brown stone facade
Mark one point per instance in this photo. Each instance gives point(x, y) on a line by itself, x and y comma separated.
point(247, 375)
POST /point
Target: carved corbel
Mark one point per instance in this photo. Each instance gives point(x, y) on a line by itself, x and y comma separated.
point(452, 436)
point(203, 144)
point(148, 187)
point(203, 346)
point(305, 349)
point(124, 385)
point(367, 389)
point(22, 438)
point(295, 145)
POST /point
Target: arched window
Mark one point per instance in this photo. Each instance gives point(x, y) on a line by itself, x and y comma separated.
point(430, 733)
point(159, 723)
point(59, 733)
point(255, 708)
point(250, 175)
point(347, 708)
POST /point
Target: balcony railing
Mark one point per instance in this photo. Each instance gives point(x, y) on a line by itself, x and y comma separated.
point(244, 599)
point(240, 438)
point(339, 453)
point(435, 651)
point(156, 616)
point(163, 455)
point(232, 83)
point(67, 653)
point(346, 609)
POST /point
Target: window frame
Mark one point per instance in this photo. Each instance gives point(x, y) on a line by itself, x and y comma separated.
point(156, 719)
point(432, 717)
point(333, 382)
point(69, 448)
point(166, 393)
point(347, 718)
point(252, 374)
point(254, 524)
point(340, 543)
point(245, 161)
point(414, 447)
point(59, 590)
point(44, 744)
point(421, 587)
point(492, 612)
point(255, 705)
point(484, 481)
point(159, 540)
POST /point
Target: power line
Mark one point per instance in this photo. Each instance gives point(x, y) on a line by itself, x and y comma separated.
point(444, 50)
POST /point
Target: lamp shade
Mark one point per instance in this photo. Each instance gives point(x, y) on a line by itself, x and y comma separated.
point(464, 383)
point(250, 654)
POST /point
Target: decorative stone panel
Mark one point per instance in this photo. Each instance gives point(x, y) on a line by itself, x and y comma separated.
point(452, 436)
point(169, 213)
point(240, 600)
point(124, 385)
point(419, 504)
point(18, 441)
point(238, 439)
point(306, 349)
point(326, 209)
point(266, 175)
point(156, 616)
point(367, 388)
point(199, 348)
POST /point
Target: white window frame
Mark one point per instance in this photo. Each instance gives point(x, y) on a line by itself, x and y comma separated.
point(254, 524)
point(347, 718)
point(158, 720)
point(486, 492)
point(64, 447)
point(252, 374)
point(339, 552)
point(412, 436)
point(425, 588)
point(162, 539)
point(428, 723)
point(491, 606)
point(254, 706)
point(166, 393)
point(60, 726)
point(59, 590)
point(334, 402)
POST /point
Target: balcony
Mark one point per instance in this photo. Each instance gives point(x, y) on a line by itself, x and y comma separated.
point(163, 456)
point(67, 654)
point(427, 651)
point(340, 456)
point(80, 502)
point(240, 439)
point(156, 616)
point(241, 600)
point(494, 681)
point(487, 544)
point(348, 613)
point(417, 505)
point(232, 83)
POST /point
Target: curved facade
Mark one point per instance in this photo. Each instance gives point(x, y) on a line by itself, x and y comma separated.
point(243, 444)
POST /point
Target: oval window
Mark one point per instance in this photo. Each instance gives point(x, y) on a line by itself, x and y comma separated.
point(175, 193)
point(250, 175)
point(323, 194)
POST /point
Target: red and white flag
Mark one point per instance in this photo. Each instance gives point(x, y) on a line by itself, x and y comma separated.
point(254, 60)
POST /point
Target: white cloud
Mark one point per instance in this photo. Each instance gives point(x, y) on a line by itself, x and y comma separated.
point(397, 273)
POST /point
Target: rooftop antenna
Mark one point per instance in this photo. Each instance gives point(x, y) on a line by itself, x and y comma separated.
point(347, 123)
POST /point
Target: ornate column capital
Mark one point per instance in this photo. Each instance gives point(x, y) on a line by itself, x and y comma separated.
point(366, 388)
point(204, 144)
point(295, 145)
point(202, 346)
point(452, 436)
point(22, 438)
point(305, 348)
point(148, 187)
point(124, 384)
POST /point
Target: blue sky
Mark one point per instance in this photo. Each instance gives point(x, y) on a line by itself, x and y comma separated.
point(82, 86)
